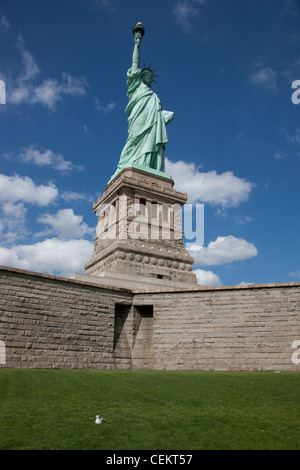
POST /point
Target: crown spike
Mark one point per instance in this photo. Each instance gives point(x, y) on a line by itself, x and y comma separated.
point(149, 68)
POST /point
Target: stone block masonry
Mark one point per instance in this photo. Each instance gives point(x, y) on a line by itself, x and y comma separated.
point(50, 322)
point(53, 322)
point(139, 230)
point(228, 328)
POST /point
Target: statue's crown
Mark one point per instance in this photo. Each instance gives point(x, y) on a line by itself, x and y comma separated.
point(145, 69)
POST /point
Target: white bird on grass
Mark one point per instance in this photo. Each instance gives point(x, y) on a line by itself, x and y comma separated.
point(99, 420)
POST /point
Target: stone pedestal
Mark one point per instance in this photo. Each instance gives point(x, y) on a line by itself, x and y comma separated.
point(139, 231)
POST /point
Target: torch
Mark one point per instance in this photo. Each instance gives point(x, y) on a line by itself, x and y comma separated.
point(138, 30)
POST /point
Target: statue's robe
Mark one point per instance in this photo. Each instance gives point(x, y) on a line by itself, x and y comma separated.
point(147, 135)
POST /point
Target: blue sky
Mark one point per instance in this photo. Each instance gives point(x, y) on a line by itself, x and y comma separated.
point(226, 68)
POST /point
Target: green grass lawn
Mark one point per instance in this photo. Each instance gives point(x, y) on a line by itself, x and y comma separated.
point(149, 410)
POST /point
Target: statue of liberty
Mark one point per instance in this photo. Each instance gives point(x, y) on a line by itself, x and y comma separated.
point(147, 135)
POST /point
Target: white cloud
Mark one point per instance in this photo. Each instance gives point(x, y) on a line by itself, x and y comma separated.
point(290, 7)
point(52, 256)
point(293, 138)
point(73, 196)
point(223, 250)
point(102, 3)
point(19, 95)
point(225, 189)
point(15, 191)
point(17, 210)
point(244, 220)
point(22, 188)
point(185, 10)
point(4, 24)
point(109, 107)
point(279, 155)
point(66, 225)
point(266, 78)
point(47, 158)
point(86, 129)
point(295, 274)
point(12, 223)
point(30, 67)
point(20, 88)
point(207, 278)
point(51, 91)
point(24, 88)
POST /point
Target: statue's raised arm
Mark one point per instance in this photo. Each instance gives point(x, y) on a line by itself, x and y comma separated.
point(138, 32)
point(147, 135)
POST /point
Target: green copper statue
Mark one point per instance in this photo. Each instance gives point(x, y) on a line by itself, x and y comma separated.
point(147, 135)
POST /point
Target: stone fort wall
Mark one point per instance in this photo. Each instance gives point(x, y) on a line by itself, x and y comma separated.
point(53, 322)
point(50, 322)
point(239, 328)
